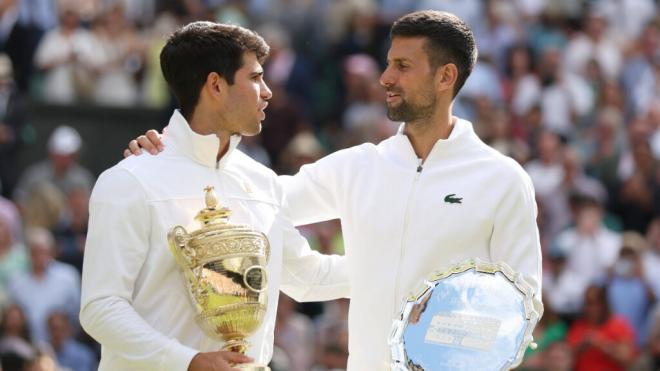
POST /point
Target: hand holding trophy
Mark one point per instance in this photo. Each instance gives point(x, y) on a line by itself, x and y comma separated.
point(225, 268)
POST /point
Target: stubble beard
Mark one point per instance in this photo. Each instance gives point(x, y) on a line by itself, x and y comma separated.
point(407, 112)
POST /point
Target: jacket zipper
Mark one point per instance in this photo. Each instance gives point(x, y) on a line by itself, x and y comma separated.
point(404, 235)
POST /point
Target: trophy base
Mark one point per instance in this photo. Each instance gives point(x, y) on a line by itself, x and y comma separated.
point(252, 367)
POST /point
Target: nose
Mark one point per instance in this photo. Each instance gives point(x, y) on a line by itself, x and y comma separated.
point(386, 78)
point(266, 93)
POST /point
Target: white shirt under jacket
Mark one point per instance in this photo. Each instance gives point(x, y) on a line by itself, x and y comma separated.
point(134, 299)
point(398, 228)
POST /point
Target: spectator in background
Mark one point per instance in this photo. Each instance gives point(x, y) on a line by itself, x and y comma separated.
point(71, 231)
point(604, 148)
point(284, 121)
point(575, 184)
point(637, 169)
point(18, 40)
point(627, 18)
point(44, 207)
point(481, 93)
point(629, 293)
point(69, 352)
point(13, 113)
point(288, 109)
point(638, 76)
point(590, 248)
point(651, 256)
point(42, 362)
point(9, 212)
point(294, 333)
point(13, 257)
point(649, 360)
point(60, 169)
point(601, 341)
point(593, 43)
point(521, 85)
point(565, 97)
point(547, 173)
point(287, 67)
point(563, 288)
point(498, 30)
point(55, 284)
point(40, 13)
point(118, 58)
point(154, 89)
point(365, 115)
point(499, 135)
point(16, 348)
point(65, 56)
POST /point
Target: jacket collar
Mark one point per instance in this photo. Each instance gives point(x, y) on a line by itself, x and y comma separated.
point(203, 149)
point(403, 153)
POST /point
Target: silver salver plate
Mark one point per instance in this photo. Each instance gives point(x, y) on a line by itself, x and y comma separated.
point(474, 316)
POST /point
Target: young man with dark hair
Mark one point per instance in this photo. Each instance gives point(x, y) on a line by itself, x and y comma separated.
point(428, 197)
point(134, 301)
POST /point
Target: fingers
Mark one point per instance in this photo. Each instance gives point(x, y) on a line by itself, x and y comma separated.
point(233, 357)
point(146, 144)
point(154, 137)
point(134, 147)
point(127, 152)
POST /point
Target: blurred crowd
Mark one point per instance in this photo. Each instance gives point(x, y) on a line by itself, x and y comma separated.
point(568, 88)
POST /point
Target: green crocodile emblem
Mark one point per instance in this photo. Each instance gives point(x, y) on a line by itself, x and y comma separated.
point(452, 199)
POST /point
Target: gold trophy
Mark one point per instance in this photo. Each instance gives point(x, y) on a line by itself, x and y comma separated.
point(225, 267)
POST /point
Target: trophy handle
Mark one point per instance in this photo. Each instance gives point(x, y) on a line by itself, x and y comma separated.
point(177, 240)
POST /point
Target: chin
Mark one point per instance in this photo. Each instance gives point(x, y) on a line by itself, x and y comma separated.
point(252, 131)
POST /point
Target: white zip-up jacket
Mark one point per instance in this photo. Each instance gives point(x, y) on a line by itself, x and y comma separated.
point(401, 220)
point(134, 298)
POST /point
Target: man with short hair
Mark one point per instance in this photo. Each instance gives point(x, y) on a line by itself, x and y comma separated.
point(428, 197)
point(48, 286)
point(134, 302)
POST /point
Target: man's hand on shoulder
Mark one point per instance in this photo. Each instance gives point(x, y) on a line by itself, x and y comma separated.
point(217, 361)
point(149, 142)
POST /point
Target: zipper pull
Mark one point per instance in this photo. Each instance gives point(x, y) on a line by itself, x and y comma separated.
point(419, 169)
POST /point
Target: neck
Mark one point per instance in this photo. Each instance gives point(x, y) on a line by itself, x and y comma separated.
point(204, 123)
point(424, 133)
point(39, 273)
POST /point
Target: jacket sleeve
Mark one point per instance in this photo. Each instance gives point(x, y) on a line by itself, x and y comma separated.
point(312, 193)
point(117, 245)
point(308, 275)
point(515, 239)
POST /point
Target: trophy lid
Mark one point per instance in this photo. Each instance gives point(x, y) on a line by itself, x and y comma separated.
point(211, 214)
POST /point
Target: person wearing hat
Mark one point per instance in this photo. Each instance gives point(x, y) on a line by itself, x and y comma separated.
point(61, 168)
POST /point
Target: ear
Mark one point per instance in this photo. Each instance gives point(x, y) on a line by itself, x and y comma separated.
point(215, 85)
point(445, 77)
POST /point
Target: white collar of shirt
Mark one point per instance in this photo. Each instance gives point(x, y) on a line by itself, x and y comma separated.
point(202, 149)
point(404, 149)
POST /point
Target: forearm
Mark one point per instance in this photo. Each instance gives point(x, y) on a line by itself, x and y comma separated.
point(316, 277)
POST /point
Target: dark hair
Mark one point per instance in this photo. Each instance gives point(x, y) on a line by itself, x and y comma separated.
point(449, 40)
point(199, 48)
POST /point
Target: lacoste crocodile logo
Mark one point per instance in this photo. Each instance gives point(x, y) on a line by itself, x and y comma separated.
point(452, 199)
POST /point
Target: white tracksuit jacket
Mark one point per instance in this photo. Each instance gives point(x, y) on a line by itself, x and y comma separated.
point(134, 299)
point(398, 227)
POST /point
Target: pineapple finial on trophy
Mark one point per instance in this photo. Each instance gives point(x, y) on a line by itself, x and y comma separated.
point(213, 213)
point(210, 198)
